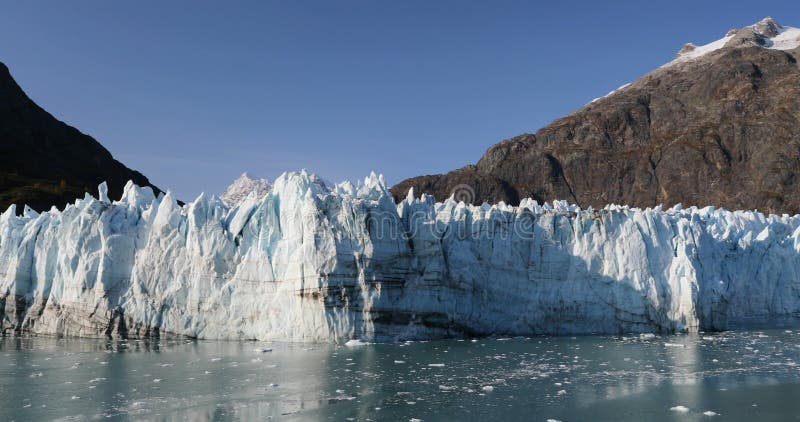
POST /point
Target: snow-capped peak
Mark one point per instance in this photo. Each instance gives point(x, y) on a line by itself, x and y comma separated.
point(767, 32)
point(243, 186)
point(767, 27)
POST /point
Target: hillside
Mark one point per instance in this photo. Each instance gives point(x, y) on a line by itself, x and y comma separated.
point(45, 162)
point(716, 126)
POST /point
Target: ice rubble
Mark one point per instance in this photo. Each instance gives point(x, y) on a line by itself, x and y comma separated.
point(313, 262)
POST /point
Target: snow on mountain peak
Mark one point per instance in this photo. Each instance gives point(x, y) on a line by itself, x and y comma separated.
point(243, 186)
point(690, 51)
point(787, 39)
point(767, 33)
point(767, 27)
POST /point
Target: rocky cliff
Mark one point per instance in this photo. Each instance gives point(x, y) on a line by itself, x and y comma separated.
point(716, 126)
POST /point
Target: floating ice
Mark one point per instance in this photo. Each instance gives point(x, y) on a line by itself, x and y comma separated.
point(679, 409)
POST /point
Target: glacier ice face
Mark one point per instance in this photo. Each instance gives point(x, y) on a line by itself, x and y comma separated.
point(309, 261)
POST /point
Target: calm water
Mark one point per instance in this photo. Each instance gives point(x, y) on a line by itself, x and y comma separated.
point(737, 375)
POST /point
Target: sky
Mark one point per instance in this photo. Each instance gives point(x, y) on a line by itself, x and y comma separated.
point(193, 93)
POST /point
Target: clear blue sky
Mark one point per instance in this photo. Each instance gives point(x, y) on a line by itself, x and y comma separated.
point(194, 93)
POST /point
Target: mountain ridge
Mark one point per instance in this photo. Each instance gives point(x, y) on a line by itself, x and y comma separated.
point(716, 128)
point(45, 162)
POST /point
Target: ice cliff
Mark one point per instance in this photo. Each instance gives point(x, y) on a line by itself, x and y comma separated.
point(312, 262)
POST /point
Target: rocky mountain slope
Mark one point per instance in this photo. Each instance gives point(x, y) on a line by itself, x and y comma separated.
point(45, 162)
point(716, 126)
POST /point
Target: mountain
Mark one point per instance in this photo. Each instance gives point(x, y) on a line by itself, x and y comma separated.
point(243, 186)
point(718, 125)
point(45, 162)
point(308, 262)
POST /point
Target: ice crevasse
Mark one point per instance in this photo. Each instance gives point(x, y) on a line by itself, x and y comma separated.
point(313, 262)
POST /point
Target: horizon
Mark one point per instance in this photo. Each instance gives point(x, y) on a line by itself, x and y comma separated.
point(193, 100)
point(399, 210)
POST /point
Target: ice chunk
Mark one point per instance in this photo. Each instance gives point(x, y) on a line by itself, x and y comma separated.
point(102, 190)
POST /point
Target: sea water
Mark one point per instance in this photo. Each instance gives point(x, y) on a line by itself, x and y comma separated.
point(742, 375)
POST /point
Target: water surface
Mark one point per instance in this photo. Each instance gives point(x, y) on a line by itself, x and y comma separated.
point(748, 375)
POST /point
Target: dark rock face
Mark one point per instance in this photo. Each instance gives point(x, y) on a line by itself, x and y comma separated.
point(45, 162)
point(722, 129)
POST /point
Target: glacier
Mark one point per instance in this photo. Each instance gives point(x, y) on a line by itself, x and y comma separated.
point(314, 262)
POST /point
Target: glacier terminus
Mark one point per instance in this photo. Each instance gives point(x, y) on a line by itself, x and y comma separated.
point(316, 262)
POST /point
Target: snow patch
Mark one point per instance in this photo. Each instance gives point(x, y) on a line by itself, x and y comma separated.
point(788, 39)
point(611, 93)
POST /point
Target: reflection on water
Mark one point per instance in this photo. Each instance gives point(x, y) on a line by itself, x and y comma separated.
point(730, 376)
